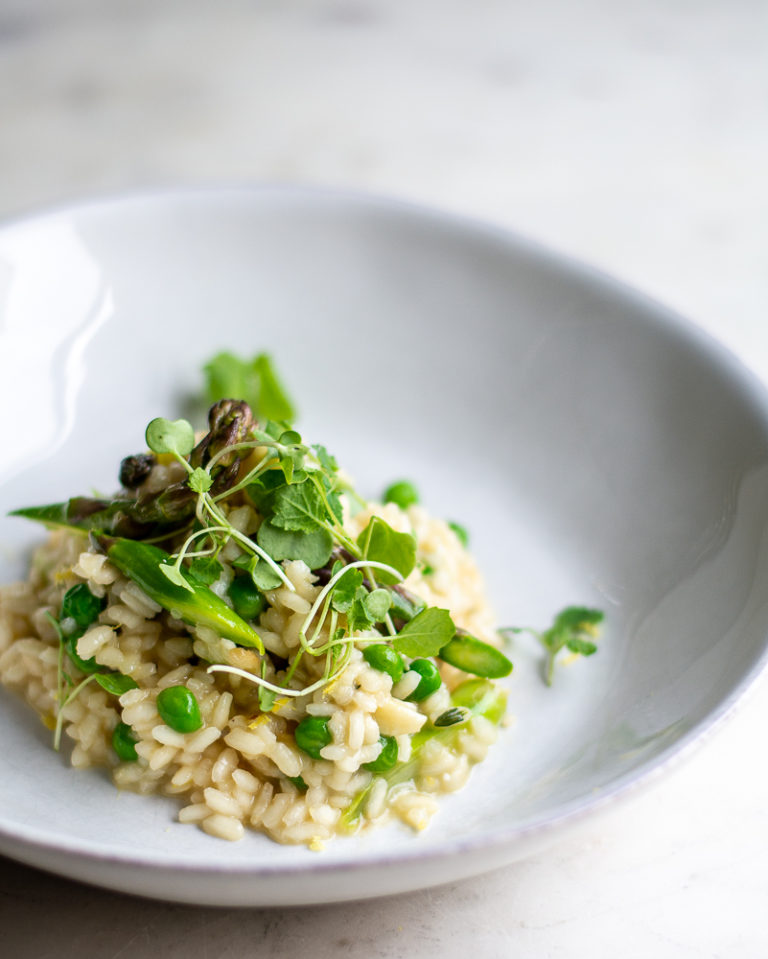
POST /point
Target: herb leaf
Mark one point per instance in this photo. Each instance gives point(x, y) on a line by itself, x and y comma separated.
point(358, 618)
point(327, 461)
point(205, 569)
point(314, 548)
point(255, 381)
point(299, 507)
point(115, 683)
point(274, 402)
point(379, 542)
point(377, 604)
point(425, 634)
point(170, 436)
point(345, 590)
point(199, 480)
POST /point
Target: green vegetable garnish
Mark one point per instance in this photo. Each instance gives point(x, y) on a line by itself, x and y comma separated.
point(575, 628)
point(379, 542)
point(386, 759)
point(426, 634)
point(253, 381)
point(430, 680)
point(402, 493)
point(346, 589)
point(179, 709)
point(475, 657)
point(247, 598)
point(79, 609)
point(314, 548)
point(312, 734)
point(385, 659)
point(194, 603)
point(452, 716)
point(205, 569)
point(124, 743)
point(116, 683)
point(170, 436)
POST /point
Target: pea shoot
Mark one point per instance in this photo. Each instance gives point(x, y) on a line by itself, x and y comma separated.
point(575, 628)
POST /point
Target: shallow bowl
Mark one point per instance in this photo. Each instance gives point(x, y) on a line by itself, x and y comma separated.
point(601, 451)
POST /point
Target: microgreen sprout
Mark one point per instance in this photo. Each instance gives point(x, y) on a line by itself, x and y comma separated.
point(575, 628)
point(176, 437)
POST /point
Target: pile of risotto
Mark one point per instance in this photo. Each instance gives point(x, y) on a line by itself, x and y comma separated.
point(236, 627)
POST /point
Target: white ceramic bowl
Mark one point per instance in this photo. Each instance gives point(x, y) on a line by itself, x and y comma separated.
point(600, 450)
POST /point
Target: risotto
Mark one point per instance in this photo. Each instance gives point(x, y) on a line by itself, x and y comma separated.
point(237, 628)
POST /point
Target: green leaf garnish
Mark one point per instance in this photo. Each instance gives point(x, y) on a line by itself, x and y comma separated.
point(327, 462)
point(170, 436)
point(314, 548)
point(379, 542)
point(205, 569)
point(345, 591)
point(115, 683)
point(426, 634)
point(255, 381)
point(575, 628)
point(199, 480)
point(299, 507)
point(377, 604)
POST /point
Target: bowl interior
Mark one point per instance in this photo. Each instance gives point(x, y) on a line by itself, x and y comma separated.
point(600, 452)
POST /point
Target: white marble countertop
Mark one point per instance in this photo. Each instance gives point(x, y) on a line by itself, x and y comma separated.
point(634, 136)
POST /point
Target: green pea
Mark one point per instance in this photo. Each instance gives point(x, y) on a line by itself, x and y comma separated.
point(178, 709)
point(312, 734)
point(248, 600)
point(81, 608)
point(402, 494)
point(385, 659)
point(475, 657)
point(430, 680)
point(124, 743)
point(386, 758)
point(461, 533)
point(298, 782)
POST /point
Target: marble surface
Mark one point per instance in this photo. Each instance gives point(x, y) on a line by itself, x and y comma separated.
point(634, 136)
